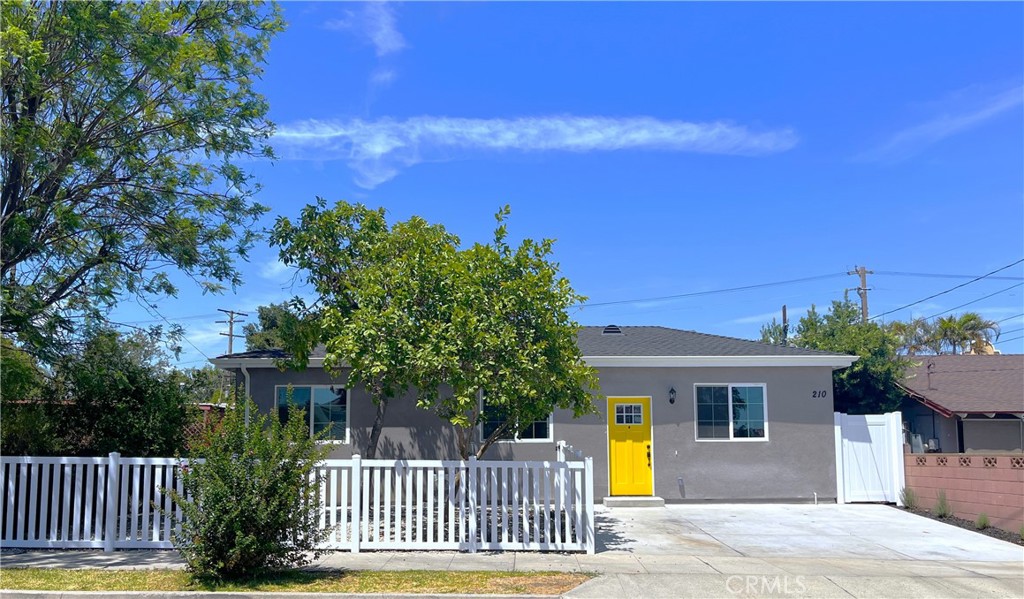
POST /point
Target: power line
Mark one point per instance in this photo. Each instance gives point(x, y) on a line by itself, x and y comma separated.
point(1011, 331)
point(976, 301)
point(1010, 339)
point(712, 292)
point(174, 318)
point(153, 310)
point(940, 276)
point(948, 290)
point(1010, 318)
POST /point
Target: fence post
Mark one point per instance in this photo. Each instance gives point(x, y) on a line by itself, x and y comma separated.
point(357, 508)
point(471, 483)
point(840, 474)
point(110, 500)
point(894, 427)
point(588, 504)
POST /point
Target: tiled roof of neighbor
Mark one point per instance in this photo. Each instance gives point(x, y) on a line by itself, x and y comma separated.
point(969, 384)
point(637, 341)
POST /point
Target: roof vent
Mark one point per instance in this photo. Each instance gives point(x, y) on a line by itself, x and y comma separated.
point(611, 330)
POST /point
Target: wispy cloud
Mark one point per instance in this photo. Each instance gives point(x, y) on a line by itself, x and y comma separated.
point(375, 22)
point(274, 270)
point(908, 142)
point(377, 150)
point(794, 315)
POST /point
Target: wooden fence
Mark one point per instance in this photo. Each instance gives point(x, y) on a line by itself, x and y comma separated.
point(122, 503)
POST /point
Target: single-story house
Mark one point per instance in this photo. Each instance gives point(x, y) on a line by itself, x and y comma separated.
point(685, 416)
point(965, 403)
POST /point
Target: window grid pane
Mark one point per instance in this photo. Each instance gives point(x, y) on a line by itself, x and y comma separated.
point(713, 412)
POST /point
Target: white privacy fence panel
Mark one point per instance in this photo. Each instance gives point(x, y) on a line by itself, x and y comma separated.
point(124, 503)
point(869, 458)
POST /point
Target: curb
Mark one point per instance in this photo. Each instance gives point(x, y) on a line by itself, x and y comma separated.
point(235, 595)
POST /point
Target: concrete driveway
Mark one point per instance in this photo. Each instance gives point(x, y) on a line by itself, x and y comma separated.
point(795, 531)
point(869, 551)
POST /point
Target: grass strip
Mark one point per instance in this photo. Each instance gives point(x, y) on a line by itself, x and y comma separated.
point(352, 581)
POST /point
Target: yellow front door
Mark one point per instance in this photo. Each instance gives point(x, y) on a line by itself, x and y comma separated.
point(629, 445)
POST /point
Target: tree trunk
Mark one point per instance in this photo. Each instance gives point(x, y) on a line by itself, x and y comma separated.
point(378, 425)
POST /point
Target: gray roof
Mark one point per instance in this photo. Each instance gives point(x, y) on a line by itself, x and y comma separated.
point(663, 341)
point(635, 341)
point(968, 384)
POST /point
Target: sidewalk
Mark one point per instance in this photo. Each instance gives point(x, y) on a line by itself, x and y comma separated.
point(627, 574)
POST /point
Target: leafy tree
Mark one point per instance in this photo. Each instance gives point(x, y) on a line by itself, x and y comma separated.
point(253, 504)
point(775, 333)
point(124, 126)
point(28, 426)
point(120, 394)
point(272, 327)
point(870, 384)
point(506, 341)
point(380, 289)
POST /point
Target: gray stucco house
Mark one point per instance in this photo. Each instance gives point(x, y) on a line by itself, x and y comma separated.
point(686, 416)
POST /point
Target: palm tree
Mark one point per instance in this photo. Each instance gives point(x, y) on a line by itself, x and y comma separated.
point(979, 331)
point(916, 336)
point(965, 331)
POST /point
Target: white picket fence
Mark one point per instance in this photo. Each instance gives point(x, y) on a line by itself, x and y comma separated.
point(122, 503)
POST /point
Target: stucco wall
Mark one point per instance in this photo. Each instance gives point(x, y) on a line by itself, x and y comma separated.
point(796, 461)
point(981, 435)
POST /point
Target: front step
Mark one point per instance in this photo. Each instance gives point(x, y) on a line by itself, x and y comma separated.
point(640, 501)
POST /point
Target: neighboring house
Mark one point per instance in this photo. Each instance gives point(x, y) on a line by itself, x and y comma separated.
point(968, 403)
point(687, 416)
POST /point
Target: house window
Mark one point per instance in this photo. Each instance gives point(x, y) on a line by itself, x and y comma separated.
point(538, 430)
point(325, 406)
point(731, 412)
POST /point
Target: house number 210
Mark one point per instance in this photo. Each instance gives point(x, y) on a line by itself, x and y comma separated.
point(819, 393)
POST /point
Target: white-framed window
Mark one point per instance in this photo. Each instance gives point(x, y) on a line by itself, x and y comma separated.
point(538, 431)
point(326, 407)
point(731, 412)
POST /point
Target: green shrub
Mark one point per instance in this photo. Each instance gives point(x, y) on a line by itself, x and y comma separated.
point(1022, 533)
point(982, 522)
point(909, 498)
point(253, 504)
point(942, 508)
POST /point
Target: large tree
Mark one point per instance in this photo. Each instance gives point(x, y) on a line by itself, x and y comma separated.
point(506, 346)
point(870, 384)
point(124, 128)
point(379, 290)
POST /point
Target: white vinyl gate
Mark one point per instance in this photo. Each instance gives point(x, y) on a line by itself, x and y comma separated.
point(869, 458)
point(121, 503)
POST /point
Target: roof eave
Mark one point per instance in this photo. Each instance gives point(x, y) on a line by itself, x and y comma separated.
point(833, 361)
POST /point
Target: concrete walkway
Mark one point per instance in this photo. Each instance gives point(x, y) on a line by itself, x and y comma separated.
point(712, 551)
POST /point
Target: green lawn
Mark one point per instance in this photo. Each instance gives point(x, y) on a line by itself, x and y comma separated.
point(356, 581)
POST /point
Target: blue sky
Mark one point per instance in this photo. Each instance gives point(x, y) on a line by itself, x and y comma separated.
point(669, 148)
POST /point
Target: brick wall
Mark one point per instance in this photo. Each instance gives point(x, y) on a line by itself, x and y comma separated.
point(992, 484)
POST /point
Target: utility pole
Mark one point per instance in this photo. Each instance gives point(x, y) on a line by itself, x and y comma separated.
point(785, 327)
point(232, 314)
point(862, 291)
